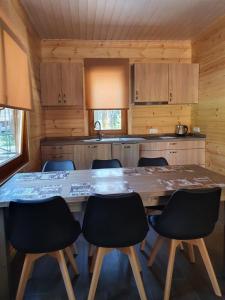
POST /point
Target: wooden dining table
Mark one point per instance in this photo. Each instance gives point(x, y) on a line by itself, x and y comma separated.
point(76, 186)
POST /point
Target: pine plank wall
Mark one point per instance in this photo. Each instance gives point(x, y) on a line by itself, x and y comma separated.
point(209, 114)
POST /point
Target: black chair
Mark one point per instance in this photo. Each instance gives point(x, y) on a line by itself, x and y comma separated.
point(152, 162)
point(58, 165)
point(109, 224)
point(108, 163)
point(45, 227)
point(189, 216)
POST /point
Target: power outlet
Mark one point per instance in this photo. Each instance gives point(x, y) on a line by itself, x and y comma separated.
point(153, 130)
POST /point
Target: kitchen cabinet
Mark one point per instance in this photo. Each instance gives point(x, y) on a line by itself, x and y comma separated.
point(176, 152)
point(62, 84)
point(183, 83)
point(85, 154)
point(128, 154)
point(172, 83)
point(64, 152)
point(151, 82)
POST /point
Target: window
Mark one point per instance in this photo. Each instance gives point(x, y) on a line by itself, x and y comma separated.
point(113, 121)
point(13, 141)
point(10, 134)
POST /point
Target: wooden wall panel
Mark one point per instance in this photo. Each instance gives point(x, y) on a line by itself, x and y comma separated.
point(209, 113)
point(61, 122)
point(163, 117)
point(15, 17)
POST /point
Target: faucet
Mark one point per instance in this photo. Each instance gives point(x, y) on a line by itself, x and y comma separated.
point(99, 129)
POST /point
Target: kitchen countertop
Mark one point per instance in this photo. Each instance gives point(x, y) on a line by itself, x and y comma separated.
point(147, 138)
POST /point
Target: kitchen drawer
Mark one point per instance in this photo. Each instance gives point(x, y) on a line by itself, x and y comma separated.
point(67, 149)
point(172, 145)
point(178, 157)
point(54, 156)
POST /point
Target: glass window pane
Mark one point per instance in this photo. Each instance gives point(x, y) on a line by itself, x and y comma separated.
point(109, 119)
point(10, 134)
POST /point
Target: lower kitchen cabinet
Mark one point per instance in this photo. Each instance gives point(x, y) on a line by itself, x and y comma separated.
point(64, 152)
point(128, 154)
point(176, 153)
point(85, 154)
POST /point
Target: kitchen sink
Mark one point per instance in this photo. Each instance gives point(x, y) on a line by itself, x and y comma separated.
point(125, 139)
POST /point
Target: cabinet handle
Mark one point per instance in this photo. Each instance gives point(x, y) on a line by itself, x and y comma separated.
point(64, 98)
point(173, 143)
point(59, 98)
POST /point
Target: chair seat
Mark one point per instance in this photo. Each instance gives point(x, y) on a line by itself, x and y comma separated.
point(47, 244)
point(155, 223)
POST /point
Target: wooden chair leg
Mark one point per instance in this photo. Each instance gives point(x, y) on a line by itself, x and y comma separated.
point(97, 268)
point(93, 260)
point(205, 256)
point(191, 253)
point(138, 261)
point(62, 264)
point(27, 268)
point(172, 253)
point(142, 246)
point(72, 260)
point(158, 243)
point(181, 246)
point(136, 271)
point(73, 248)
point(91, 250)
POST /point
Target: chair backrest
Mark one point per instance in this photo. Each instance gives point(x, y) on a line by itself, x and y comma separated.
point(115, 220)
point(154, 162)
point(105, 164)
point(58, 165)
point(190, 213)
point(41, 226)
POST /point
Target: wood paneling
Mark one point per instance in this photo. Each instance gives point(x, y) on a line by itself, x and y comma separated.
point(136, 51)
point(209, 113)
point(122, 20)
point(66, 122)
point(16, 19)
point(162, 117)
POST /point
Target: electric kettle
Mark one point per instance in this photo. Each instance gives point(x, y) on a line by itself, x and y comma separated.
point(181, 130)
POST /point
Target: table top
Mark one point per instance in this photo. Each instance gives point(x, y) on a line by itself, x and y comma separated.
point(76, 186)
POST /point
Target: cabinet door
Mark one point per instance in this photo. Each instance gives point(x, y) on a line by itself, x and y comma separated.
point(183, 83)
point(128, 154)
point(186, 157)
point(72, 84)
point(51, 92)
point(151, 82)
point(82, 158)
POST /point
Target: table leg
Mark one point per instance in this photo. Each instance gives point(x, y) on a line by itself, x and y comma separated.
point(4, 259)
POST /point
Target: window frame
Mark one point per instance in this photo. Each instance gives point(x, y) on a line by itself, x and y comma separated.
point(11, 166)
point(122, 131)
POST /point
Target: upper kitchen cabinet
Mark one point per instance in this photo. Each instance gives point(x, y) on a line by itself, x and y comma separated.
point(183, 83)
point(62, 84)
point(151, 82)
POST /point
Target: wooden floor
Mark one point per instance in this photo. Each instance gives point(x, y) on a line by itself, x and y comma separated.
point(190, 281)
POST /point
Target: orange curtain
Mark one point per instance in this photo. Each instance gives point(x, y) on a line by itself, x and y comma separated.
point(14, 70)
point(106, 83)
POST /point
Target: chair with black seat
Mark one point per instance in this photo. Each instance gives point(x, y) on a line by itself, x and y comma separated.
point(44, 227)
point(106, 163)
point(58, 165)
point(153, 162)
point(189, 217)
point(108, 224)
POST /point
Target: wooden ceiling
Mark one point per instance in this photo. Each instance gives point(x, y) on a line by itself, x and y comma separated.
point(122, 19)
